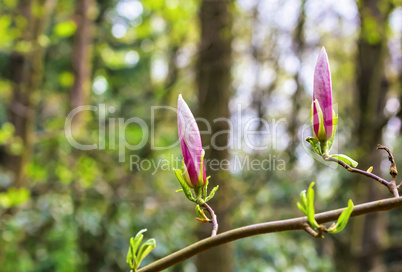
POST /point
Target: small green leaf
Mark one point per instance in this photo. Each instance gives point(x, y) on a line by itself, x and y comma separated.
point(302, 208)
point(186, 189)
point(145, 249)
point(321, 129)
point(134, 244)
point(334, 127)
point(302, 205)
point(312, 116)
point(315, 144)
point(199, 213)
point(303, 198)
point(205, 188)
point(345, 159)
point(211, 195)
point(310, 207)
point(130, 256)
point(201, 176)
point(343, 219)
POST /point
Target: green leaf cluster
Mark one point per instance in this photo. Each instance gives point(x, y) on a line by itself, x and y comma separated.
point(134, 259)
point(322, 148)
point(200, 195)
point(306, 205)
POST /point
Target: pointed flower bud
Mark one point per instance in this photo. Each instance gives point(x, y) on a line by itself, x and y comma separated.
point(191, 146)
point(322, 114)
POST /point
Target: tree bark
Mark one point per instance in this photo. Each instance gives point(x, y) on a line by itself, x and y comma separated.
point(214, 82)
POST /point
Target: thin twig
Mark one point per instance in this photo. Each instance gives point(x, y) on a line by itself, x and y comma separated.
point(355, 170)
point(214, 219)
point(276, 226)
point(392, 171)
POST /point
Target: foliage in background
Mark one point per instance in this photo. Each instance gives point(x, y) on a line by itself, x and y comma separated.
point(78, 208)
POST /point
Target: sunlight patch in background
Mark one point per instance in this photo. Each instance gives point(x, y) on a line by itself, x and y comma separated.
point(159, 68)
point(131, 58)
point(130, 9)
point(100, 85)
point(119, 30)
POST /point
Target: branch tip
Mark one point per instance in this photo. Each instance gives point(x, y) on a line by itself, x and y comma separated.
point(392, 169)
point(355, 170)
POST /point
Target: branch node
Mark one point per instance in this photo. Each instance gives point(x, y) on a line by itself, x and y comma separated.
point(312, 232)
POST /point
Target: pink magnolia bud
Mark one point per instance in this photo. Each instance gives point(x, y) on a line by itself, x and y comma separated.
point(321, 111)
point(191, 145)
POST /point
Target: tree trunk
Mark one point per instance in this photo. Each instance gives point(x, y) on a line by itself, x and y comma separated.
point(372, 88)
point(214, 82)
point(368, 235)
point(27, 69)
point(82, 56)
point(299, 45)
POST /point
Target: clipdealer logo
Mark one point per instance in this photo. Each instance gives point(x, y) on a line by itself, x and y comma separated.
point(242, 135)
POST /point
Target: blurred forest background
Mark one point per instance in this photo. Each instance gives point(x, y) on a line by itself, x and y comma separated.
point(66, 209)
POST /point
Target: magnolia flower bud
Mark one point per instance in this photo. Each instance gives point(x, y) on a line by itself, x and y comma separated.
point(191, 146)
point(322, 114)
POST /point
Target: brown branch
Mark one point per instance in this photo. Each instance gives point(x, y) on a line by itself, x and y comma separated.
point(391, 185)
point(214, 219)
point(355, 170)
point(276, 226)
